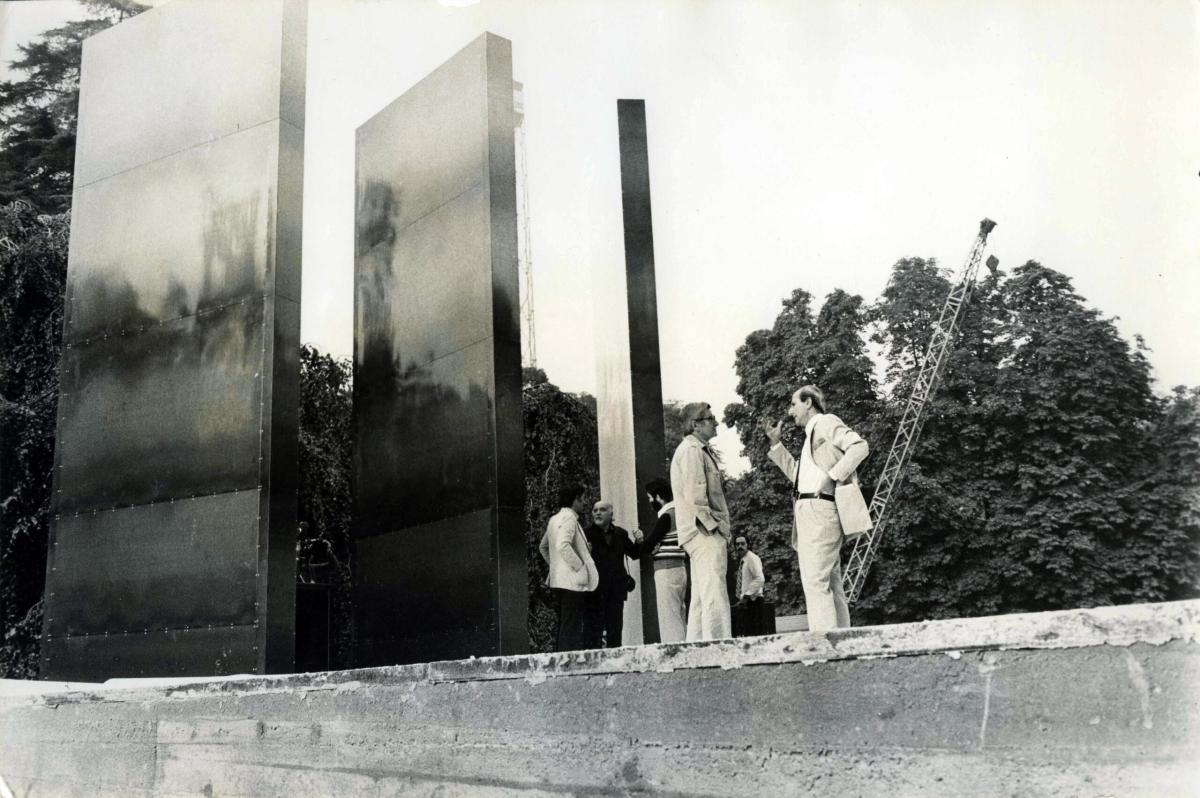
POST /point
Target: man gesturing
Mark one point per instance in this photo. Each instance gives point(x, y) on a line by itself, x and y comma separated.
point(832, 452)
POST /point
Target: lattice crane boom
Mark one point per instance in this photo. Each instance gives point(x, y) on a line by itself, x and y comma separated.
point(525, 252)
point(913, 418)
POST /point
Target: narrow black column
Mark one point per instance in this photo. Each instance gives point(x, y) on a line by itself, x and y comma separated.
point(648, 435)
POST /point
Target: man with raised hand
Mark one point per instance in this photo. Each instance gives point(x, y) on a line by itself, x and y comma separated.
point(831, 454)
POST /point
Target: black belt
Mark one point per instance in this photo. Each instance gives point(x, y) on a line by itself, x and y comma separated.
point(826, 496)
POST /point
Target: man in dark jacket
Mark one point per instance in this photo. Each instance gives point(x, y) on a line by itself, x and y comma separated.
point(610, 546)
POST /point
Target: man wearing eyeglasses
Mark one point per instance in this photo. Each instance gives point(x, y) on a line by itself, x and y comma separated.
point(702, 519)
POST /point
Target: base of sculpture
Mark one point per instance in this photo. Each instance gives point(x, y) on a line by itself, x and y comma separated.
point(1092, 702)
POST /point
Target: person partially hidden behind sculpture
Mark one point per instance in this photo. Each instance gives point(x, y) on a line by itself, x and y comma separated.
point(573, 574)
point(670, 564)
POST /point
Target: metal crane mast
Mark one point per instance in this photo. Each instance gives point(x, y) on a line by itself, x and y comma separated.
point(525, 256)
point(944, 333)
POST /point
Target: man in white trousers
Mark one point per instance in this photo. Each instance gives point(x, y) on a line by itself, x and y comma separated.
point(831, 454)
point(670, 564)
point(702, 519)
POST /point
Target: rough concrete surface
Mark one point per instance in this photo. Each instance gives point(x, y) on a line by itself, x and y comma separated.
point(1087, 702)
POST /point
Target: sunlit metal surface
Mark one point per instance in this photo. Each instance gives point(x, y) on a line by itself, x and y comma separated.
point(441, 566)
point(174, 507)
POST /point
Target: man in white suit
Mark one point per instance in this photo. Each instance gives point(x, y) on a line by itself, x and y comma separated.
point(702, 518)
point(573, 574)
point(832, 452)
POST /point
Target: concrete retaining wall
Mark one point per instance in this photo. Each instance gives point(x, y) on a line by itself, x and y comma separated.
point(1088, 702)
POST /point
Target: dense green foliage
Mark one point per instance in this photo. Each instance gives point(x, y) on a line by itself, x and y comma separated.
point(326, 473)
point(1048, 474)
point(33, 266)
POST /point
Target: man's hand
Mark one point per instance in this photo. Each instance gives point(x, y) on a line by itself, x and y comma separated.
point(638, 537)
point(774, 431)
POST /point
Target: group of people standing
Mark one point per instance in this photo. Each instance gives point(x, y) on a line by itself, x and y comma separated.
point(691, 539)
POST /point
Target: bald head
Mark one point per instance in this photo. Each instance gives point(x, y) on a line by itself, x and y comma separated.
point(602, 513)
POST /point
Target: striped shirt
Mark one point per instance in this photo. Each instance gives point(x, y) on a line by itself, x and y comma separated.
point(665, 537)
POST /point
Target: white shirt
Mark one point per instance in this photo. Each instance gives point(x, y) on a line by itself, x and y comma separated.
point(751, 577)
point(811, 479)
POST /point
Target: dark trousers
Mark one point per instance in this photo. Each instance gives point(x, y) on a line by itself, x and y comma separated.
point(606, 619)
point(572, 619)
point(749, 620)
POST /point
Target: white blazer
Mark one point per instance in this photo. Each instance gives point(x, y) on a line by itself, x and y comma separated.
point(836, 449)
point(565, 548)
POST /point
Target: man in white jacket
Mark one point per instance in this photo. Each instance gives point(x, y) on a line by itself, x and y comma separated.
point(702, 518)
point(831, 454)
point(573, 574)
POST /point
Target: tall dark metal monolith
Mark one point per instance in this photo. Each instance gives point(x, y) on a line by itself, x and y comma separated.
point(439, 508)
point(172, 542)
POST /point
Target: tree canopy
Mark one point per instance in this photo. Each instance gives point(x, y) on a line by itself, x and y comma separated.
point(325, 491)
point(33, 266)
point(39, 110)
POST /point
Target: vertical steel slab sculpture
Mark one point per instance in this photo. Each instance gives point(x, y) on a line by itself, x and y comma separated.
point(172, 545)
point(629, 382)
point(439, 487)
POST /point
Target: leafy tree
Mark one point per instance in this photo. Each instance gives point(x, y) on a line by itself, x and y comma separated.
point(33, 265)
point(1028, 488)
point(560, 448)
point(674, 428)
point(326, 474)
point(38, 112)
point(1174, 482)
point(924, 538)
point(828, 350)
point(531, 375)
point(1077, 416)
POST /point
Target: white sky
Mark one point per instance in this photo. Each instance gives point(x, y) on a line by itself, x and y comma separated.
point(796, 145)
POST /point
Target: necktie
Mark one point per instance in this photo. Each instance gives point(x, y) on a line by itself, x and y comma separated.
point(738, 588)
point(796, 479)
